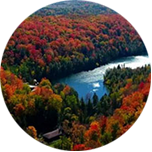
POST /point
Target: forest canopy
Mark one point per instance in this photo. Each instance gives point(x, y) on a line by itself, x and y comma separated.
point(54, 46)
point(86, 125)
point(60, 40)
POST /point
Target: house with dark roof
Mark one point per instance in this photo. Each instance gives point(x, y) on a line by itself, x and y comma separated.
point(53, 135)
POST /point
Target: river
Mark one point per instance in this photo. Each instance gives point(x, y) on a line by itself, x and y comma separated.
point(87, 83)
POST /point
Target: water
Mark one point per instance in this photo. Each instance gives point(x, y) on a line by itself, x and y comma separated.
point(87, 83)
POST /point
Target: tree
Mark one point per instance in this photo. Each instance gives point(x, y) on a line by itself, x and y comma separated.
point(95, 99)
point(89, 108)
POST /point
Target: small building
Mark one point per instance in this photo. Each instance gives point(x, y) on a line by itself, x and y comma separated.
point(53, 135)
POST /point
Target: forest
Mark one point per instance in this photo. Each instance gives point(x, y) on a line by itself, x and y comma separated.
point(74, 7)
point(86, 125)
point(68, 44)
point(60, 40)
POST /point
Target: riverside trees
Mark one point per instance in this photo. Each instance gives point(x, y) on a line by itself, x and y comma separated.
point(100, 121)
point(55, 46)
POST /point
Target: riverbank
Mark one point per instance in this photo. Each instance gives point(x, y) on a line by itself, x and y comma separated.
point(66, 53)
point(87, 83)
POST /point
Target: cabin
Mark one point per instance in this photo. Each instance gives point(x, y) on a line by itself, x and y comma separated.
point(53, 135)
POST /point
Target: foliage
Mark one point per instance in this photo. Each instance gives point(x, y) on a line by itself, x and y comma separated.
point(123, 110)
point(85, 125)
point(80, 147)
point(70, 43)
point(10, 83)
point(31, 107)
point(122, 82)
point(63, 143)
point(76, 38)
point(32, 131)
point(74, 7)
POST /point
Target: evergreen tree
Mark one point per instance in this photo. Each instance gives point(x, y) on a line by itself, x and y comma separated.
point(89, 108)
point(95, 99)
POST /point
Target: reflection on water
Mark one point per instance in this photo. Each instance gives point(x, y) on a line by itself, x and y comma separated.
point(87, 83)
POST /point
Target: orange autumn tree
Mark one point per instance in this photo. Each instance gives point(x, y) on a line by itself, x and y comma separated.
point(66, 90)
point(10, 83)
point(93, 135)
point(80, 147)
point(32, 131)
